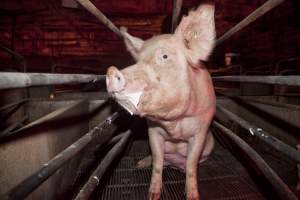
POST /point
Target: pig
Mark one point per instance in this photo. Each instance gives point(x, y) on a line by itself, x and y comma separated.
point(170, 86)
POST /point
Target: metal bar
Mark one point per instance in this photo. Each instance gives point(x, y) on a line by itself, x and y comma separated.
point(13, 35)
point(13, 126)
point(19, 80)
point(13, 53)
point(282, 189)
point(94, 179)
point(176, 12)
point(116, 138)
point(266, 7)
point(277, 66)
point(99, 15)
point(276, 80)
point(46, 119)
point(32, 182)
point(271, 103)
point(84, 68)
point(263, 135)
point(12, 104)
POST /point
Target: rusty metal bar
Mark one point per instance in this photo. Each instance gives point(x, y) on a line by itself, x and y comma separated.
point(281, 188)
point(19, 80)
point(176, 12)
point(274, 80)
point(280, 146)
point(32, 182)
point(94, 179)
point(263, 9)
point(99, 15)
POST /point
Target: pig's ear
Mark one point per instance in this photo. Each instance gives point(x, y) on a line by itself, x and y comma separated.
point(197, 32)
point(133, 44)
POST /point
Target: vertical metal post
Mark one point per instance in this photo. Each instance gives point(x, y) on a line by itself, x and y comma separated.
point(176, 12)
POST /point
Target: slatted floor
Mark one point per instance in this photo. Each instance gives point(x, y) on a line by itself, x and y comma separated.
point(221, 177)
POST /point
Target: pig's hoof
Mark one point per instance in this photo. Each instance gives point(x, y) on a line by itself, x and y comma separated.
point(193, 195)
point(145, 162)
point(154, 195)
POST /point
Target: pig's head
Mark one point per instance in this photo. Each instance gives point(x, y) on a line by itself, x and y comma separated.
point(159, 84)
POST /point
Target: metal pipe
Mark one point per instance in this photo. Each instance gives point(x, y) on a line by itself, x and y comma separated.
point(13, 126)
point(32, 182)
point(176, 12)
point(99, 15)
point(12, 104)
point(19, 80)
point(263, 135)
point(13, 53)
point(277, 66)
point(266, 7)
point(116, 138)
point(274, 80)
point(83, 68)
point(281, 188)
point(285, 115)
point(94, 179)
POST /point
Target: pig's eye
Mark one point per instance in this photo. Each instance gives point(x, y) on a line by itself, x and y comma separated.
point(162, 56)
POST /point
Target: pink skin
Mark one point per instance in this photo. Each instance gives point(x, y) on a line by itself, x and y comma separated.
point(177, 95)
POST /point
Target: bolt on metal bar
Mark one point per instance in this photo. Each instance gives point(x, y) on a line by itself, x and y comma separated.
point(282, 189)
point(266, 7)
point(32, 182)
point(19, 80)
point(263, 135)
point(274, 80)
point(99, 15)
point(94, 179)
point(176, 12)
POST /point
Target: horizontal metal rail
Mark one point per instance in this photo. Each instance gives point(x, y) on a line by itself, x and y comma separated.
point(99, 15)
point(282, 189)
point(266, 7)
point(276, 80)
point(94, 179)
point(32, 182)
point(20, 80)
point(280, 146)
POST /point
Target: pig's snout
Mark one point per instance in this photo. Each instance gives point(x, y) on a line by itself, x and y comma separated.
point(115, 80)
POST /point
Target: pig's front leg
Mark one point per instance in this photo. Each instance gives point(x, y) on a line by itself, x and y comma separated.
point(157, 147)
point(195, 148)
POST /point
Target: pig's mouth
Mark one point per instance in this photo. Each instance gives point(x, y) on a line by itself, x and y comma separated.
point(128, 100)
